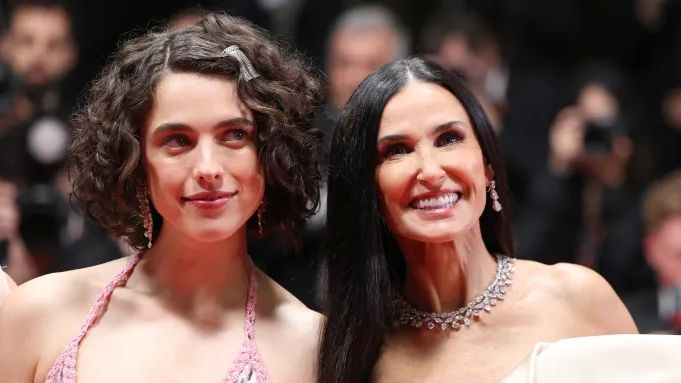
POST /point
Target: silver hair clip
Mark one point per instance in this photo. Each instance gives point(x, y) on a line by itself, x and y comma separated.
point(245, 68)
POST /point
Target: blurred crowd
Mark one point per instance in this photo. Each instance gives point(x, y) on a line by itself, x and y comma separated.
point(585, 97)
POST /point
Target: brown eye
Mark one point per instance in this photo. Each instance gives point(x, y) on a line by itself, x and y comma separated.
point(176, 141)
point(395, 151)
point(235, 135)
point(448, 138)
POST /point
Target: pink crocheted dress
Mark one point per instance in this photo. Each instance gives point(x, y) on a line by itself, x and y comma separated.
point(246, 368)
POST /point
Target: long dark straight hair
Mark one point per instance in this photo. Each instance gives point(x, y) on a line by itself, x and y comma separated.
point(365, 265)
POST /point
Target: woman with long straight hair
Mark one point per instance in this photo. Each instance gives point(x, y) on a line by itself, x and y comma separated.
point(422, 283)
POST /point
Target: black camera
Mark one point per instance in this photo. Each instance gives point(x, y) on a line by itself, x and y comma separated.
point(599, 135)
point(43, 215)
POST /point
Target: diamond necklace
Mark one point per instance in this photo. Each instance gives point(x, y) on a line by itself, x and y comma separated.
point(404, 314)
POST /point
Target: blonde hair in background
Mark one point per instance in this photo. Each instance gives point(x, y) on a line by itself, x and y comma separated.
point(662, 200)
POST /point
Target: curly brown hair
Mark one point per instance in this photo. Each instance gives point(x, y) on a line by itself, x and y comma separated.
point(105, 155)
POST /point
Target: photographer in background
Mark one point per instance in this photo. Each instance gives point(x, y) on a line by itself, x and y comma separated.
point(39, 232)
point(584, 207)
point(38, 52)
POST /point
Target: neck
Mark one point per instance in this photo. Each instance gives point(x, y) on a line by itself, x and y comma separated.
point(198, 276)
point(442, 277)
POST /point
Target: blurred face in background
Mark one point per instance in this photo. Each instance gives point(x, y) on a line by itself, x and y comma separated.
point(455, 53)
point(596, 102)
point(663, 250)
point(39, 46)
point(353, 55)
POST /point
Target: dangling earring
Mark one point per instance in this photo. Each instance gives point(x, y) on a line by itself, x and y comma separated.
point(145, 213)
point(261, 211)
point(496, 205)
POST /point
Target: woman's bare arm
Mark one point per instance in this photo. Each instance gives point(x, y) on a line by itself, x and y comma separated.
point(21, 320)
point(595, 300)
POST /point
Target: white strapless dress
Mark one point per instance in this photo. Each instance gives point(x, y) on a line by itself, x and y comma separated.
point(605, 358)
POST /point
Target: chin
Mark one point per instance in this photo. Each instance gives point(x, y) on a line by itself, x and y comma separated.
point(209, 237)
point(428, 233)
point(213, 233)
point(431, 237)
point(434, 232)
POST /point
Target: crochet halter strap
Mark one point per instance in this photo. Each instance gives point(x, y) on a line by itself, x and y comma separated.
point(246, 368)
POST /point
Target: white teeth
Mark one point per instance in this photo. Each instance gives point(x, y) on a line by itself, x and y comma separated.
point(441, 201)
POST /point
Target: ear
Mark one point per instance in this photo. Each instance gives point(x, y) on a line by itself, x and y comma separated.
point(489, 174)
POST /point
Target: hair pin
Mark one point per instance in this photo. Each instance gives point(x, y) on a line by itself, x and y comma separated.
point(246, 69)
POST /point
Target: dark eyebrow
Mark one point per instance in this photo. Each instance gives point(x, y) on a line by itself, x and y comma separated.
point(177, 126)
point(442, 127)
point(446, 126)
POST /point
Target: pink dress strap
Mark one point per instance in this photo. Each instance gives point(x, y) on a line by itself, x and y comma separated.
point(64, 368)
point(248, 366)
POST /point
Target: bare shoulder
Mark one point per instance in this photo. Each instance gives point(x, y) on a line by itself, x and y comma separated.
point(59, 291)
point(285, 308)
point(288, 316)
point(38, 317)
point(291, 326)
point(582, 291)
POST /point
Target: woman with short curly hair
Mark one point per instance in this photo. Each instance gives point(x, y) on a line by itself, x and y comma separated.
point(187, 141)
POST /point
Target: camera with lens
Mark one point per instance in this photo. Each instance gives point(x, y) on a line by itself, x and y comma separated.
point(30, 156)
point(43, 215)
point(599, 135)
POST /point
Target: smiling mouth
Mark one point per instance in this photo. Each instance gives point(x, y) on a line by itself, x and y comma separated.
point(442, 201)
point(208, 198)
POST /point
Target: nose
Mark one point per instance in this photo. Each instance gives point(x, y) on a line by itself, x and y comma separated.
point(430, 172)
point(208, 172)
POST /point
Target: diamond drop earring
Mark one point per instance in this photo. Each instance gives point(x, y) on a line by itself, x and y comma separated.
point(496, 205)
